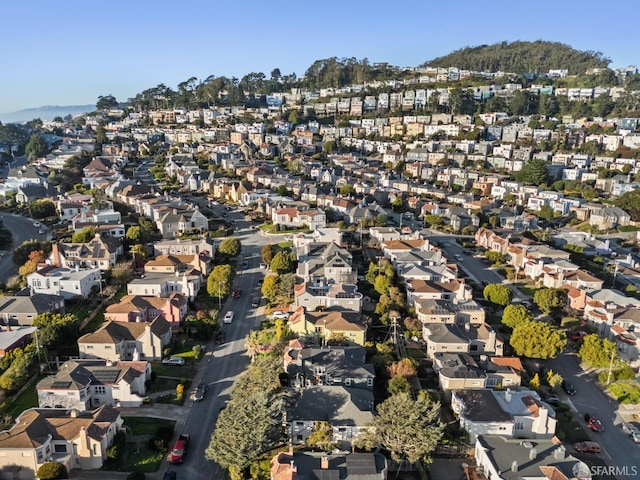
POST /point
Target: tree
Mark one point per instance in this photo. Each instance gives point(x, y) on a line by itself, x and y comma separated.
point(57, 329)
point(347, 190)
point(220, 281)
point(101, 135)
point(36, 258)
point(514, 315)
point(596, 352)
point(549, 299)
point(434, 220)
point(537, 340)
point(267, 252)
point(329, 147)
point(230, 247)
point(535, 382)
point(284, 261)
point(321, 437)
point(270, 287)
point(498, 294)
point(545, 213)
point(36, 147)
point(21, 254)
point(52, 471)
point(534, 172)
point(372, 272)
point(407, 428)
point(251, 423)
point(554, 379)
point(382, 284)
point(404, 368)
point(106, 102)
point(84, 236)
point(398, 384)
point(42, 208)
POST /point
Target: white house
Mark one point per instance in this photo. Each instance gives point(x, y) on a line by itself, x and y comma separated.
point(67, 283)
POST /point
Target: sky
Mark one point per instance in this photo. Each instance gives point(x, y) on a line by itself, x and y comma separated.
point(72, 52)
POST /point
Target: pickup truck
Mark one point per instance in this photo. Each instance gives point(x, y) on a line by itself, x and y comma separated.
point(179, 449)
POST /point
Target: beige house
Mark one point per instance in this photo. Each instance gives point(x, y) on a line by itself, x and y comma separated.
point(329, 325)
point(475, 340)
point(124, 341)
point(77, 440)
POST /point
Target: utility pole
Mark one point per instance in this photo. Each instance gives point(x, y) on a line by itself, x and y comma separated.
point(611, 365)
point(219, 298)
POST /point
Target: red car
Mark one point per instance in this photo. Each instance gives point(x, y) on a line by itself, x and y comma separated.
point(593, 422)
point(575, 336)
point(236, 294)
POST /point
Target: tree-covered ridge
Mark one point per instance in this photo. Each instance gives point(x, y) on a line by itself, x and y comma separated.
point(522, 57)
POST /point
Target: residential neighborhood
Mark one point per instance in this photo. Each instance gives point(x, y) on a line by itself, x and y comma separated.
point(281, 279)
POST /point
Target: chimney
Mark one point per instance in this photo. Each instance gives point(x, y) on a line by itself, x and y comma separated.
point(55, 253)
point(73, 413)
point(324, 463)
point(559, 453)
point(514, 466)
point(507, 395)
point(533, 453)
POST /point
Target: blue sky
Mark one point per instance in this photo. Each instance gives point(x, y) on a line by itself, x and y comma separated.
point(68, 53)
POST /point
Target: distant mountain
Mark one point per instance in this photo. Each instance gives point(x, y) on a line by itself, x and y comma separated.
point(522, 57)
point(48, 112)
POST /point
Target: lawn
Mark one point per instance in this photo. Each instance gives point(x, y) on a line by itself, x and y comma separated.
point(627, 392)
point(138, 455)
point(15, 405)
point(416, 353)
point(145, 425)
point(527, 290)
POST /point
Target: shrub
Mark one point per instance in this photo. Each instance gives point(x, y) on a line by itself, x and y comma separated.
point(52, 471)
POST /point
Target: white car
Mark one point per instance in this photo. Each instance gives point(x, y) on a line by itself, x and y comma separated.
point(173, 361)
point(280, 314)
point(458, 257)
point(633, 431)
point(228, 317)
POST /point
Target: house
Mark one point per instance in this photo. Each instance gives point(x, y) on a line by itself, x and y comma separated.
point(52, 280)
point(185, 247)
point(30, 193)
point(164, 284)
point(517, 414)
point(320, 263)
point(87, 384)
point(317, 296)
point(135, 308)
point(354, 466)
point(127, 341)
point(77, 440)
point(329, 325)
point(14, 337)
point(101, 253)
point(607, 218)
point(333, 385)
point(503, 458)
point(480, 340)
point(174, 222)
point(22, 309)
point(291, 217)
point(460, 371)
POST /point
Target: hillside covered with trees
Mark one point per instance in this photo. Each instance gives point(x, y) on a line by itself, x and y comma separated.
point(522, 57)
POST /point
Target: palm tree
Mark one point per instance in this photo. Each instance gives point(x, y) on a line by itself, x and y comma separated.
point(253, 344)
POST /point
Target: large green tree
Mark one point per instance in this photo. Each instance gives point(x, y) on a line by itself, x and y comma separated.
point(284, 261)
point(230, 247)
point(514, 315)
point(52, 471)
point(534, 172)
point(37, 147)
point(84, 236)
point(498, 294)
point(409, 429)
point(270, 287)
point(42, 208)
point(267, 253)
point(596, 352)
point(251, 423)
point(537, 340)
point(549, 299)
point(220, 281)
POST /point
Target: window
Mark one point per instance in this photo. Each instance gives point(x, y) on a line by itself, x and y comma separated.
point(299, 438)
point(519, 426)
point(370, 382)
point(347, 381)
point(60, 448)
point(299, 424)
point(100, 389)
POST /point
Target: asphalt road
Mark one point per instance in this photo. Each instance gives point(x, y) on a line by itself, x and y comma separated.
point(21, 229)
point(617, 446)
point(223, 364)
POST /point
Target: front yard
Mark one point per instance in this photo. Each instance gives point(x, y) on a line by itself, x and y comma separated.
point(626, 391)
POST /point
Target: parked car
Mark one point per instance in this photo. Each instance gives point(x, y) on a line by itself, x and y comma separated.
point(280, 314)
point(201, 391)
point(228, 317)
point(173, 361)
point(458, 257)
point(593, 422)
point(179, 449)
point(170, 475)
point(245, 264)
point(552, 400)
point(568, 388)
point(255, 302)
point(587, 447)
point(633, 431)
point(575, 336)
point(236, 294)
point(220, 337)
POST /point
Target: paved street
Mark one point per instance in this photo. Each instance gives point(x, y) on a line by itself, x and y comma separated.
point(617, 446)
point(21, 229)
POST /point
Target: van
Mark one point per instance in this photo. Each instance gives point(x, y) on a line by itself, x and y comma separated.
point(587, 447)
point(255, 303)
